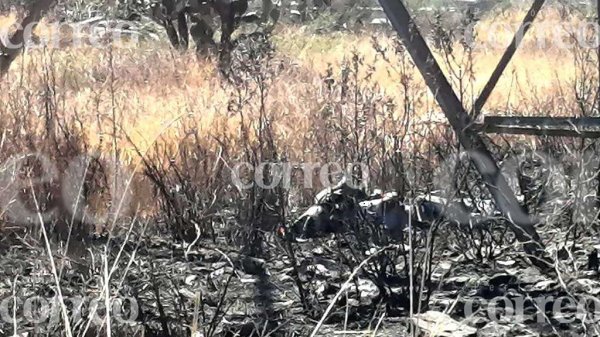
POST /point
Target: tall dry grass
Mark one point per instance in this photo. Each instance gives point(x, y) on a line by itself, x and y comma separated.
point(157, 95)
point(154, 85)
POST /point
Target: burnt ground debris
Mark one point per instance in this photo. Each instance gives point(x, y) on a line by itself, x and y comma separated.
point(232, 294)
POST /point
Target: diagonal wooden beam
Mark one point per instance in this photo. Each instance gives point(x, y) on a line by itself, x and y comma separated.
point(519, 221)
point(507, 56)
point(584, 127)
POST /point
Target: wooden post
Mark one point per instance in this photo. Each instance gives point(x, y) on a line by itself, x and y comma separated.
point(507, 56)
point(580, 127)
point(461, 122)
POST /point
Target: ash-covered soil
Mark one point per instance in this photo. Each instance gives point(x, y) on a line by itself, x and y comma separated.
point(231, 294)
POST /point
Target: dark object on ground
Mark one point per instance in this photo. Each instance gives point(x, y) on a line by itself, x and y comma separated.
point(500, 280)
point(431, 208)
point(334, 206)
point(322, 220)
point(593, 262)
point(338, 206)
point(389, 211)
point(342, 192)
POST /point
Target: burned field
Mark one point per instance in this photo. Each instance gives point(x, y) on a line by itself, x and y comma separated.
point(343, 266)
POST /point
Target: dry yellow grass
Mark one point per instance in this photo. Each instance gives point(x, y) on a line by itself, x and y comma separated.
point(152, 91)
point(153, 86)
